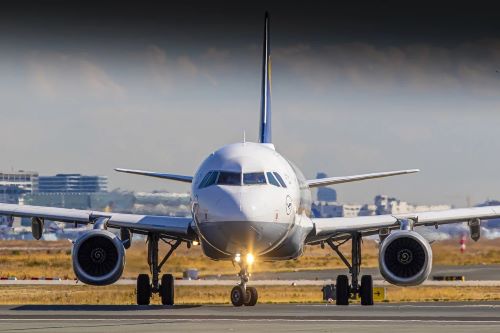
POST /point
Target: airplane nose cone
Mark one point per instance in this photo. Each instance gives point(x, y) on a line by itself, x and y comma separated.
point(237, 204)
point(255, 205)
point(238, 219)
point(219, 204)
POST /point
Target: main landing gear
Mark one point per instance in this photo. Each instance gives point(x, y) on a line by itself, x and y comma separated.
point(145, 287)
point(344, 291)
point(243, 294)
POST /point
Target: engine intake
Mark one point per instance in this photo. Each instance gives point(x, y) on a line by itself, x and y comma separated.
point(405, 258)
point(98, 258)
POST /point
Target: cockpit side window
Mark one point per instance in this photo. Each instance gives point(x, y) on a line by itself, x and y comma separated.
point(209, 179)
point(272, 180)
point(204, 180)
point(278, 177)
point(212, 179)
point(254, 178)
point(229, 178)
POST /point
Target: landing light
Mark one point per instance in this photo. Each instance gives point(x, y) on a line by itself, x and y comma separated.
point(237, 257)
point(250, 258)
point(195, 243)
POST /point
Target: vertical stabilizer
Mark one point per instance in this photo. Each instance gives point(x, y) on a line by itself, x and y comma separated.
point(265, 102)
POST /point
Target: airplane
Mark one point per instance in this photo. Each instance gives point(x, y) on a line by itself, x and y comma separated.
point(249, 203)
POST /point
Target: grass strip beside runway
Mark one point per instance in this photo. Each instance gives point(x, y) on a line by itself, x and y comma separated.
point(26, 259)
point(125, 294)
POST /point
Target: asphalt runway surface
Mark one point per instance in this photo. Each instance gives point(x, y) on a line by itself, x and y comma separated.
point(409, 317)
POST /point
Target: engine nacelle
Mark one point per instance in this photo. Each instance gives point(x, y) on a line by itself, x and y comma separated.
point(405, 258)
point(98, 258)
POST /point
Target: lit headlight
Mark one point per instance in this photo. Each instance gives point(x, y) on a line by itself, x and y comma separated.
point(250, 258)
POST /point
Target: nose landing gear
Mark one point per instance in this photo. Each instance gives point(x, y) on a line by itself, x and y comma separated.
point(243, 294)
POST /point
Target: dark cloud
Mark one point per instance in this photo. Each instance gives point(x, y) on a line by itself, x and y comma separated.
point(468, 67)
point(192, 23)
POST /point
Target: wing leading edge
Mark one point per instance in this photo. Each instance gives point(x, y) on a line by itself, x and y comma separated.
point(179, 227)
point(325, 228)
point(347, 179)
point(179, 178)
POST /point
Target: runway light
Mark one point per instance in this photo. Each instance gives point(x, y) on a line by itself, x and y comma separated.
point(237, 257)
point(250, 258)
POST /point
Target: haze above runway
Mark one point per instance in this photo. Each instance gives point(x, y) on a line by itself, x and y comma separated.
point(408, 317)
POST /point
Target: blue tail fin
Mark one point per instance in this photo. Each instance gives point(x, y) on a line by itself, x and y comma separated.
point(265, 102)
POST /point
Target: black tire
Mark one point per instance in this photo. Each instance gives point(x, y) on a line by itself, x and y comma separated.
point(143, 289)
point(238, 296)
point(342, 290)
point(167, 289)
point(366, 290)
point(252, 296)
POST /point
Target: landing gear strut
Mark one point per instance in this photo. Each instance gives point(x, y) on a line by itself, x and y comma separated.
point(243, 294)
point(344, 291)
point(145, 287)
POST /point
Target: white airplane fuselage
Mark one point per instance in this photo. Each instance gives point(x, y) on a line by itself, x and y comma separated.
point(246, 208)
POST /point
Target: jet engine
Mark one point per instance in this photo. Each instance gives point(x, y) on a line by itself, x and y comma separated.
point(405, 258)
point(98, 258)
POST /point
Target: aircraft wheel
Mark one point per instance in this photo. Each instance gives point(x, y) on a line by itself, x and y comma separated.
point(167, 289)
point(366, 290)
point(143, 289)
point(238, 296)
point(342, 290)
point(252, 296)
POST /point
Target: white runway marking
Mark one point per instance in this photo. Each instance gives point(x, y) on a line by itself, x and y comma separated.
point(437, 321)
point(411, 306)
point(480, 283)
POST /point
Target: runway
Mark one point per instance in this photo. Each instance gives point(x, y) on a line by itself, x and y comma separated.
point(409, 317)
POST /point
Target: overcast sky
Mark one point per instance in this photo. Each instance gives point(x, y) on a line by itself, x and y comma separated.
point(355, 89)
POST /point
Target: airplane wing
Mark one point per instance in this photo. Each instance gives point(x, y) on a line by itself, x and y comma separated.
point(176, 227)
point(179, 178)
point(346, 179)
point(325, 228)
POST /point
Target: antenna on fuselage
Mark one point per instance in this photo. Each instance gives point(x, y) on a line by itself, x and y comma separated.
point(265, 101)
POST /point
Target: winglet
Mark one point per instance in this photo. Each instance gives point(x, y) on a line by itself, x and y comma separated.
point(265, 102)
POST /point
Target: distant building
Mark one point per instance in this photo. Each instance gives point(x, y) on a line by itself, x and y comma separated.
point(388, 205)
point(325, 193)
point(383, 204)
point(61, 200)
point(368, 210)
point(71, 183)
point(334, 209)
point(14, 184)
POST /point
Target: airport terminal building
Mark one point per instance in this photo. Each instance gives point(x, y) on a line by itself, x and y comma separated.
point(71, 183)
point(14, 184)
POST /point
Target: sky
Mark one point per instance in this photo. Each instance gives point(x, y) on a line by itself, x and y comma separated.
point(356, 88)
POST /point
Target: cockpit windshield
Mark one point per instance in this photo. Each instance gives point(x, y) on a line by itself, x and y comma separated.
point(235, 179)
point(229, 178)
point(254, 178)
